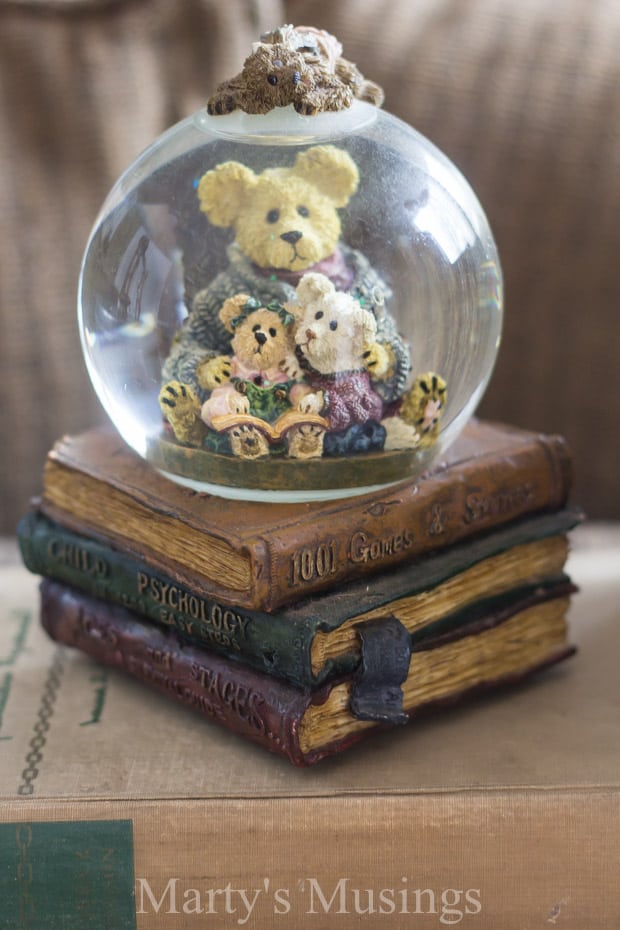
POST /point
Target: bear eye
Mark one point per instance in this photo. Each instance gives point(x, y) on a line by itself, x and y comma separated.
point(272, 332)
point(318, 315)
point(256, 328)
point(303, 211)
point(333, 324)
point(273, 216)
point(273, 80)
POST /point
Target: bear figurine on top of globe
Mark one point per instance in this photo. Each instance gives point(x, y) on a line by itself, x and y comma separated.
point(293, 295)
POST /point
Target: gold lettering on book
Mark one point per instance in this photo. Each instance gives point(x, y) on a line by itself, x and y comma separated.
point(197, 630)
point(243, 701)
point(364, 548)
point(77, 557)
point(438, 520)
point(223, 622)
point(163, 679)
point(314, 562)
point(479, 506)
point(160, 657)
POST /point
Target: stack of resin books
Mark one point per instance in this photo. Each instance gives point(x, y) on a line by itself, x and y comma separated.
point(306, 627)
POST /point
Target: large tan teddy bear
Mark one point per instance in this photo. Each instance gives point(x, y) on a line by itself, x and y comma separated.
point(286, 223)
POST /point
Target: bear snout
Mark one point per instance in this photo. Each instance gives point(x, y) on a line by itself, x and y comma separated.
point(260, 337)
point(292, 237)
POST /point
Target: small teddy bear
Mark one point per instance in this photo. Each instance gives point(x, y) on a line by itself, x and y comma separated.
point(260, 369)
point(248, 391)
point(300, 66)
point(286, 223)
point(336, 338)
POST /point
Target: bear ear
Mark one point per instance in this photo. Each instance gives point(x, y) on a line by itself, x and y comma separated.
point(369, 328)
point(331, 170)
point(296, 310)
point(222, 191)
point(313, 286)
point(231, 309)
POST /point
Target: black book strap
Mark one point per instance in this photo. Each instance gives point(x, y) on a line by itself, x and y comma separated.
point(386, 651)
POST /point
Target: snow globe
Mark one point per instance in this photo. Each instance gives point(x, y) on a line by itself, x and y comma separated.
point(291, 295)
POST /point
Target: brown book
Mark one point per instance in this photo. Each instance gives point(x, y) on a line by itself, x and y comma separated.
point(508, 642)
point(496, 813)
point(266, 555)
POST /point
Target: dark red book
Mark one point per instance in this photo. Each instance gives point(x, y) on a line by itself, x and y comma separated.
point(524, 633)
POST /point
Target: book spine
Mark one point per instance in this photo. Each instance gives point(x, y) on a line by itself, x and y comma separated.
point(277, 644)
point(259, 639)
point(266, 711)
point(256, 557)
point(346, 860)
point(412, 520)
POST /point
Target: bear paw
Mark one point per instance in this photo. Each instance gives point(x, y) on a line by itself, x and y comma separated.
point(306, 442)
point(310, 403)
point(379, 361)
point(214, 372)
point(424, 405)
point(222, 101)
point(291, 368)
point(399, 434)
point(246, 442)
point(181, 408)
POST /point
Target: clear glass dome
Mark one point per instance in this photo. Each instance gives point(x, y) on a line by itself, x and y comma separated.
point(344, 243)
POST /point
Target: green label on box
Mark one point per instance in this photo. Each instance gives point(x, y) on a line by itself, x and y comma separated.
point(75, 875)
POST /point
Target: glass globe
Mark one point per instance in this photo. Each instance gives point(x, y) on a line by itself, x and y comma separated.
point(287, 307)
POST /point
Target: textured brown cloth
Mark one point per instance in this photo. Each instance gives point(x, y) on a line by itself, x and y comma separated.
point(525, 98)
point(85, 85)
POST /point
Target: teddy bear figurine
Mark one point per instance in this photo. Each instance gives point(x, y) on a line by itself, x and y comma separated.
point(273, 298)
point(286, 224)
point(248, 399)
point(301, 66)
point(335, 338)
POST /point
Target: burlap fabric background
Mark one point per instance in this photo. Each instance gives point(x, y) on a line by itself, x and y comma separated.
point(524, 97)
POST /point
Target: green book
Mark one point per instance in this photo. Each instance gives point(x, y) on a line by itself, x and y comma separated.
point(314, 640)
